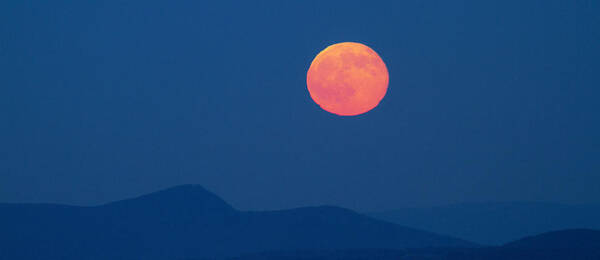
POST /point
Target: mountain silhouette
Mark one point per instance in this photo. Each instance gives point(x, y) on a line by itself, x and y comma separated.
point(495, 223)
point(187, 222)
point(576, 244)
point(562, 239)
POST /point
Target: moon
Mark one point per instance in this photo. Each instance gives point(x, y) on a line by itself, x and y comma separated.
point(347, 79)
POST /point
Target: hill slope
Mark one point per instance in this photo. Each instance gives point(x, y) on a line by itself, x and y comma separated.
point(495, 223)
point(562, 239)
point(575, 244)
point(188, 221)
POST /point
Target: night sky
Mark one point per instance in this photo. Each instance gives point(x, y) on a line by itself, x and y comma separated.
point(487, 101)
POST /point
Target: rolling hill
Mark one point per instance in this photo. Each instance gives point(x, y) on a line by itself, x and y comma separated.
point(495, 223)
point(188, 222)
point(561, 239)
point(576, 244)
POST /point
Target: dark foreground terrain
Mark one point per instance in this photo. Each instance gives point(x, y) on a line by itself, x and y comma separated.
point(495, 223)
point(579, 244)
point(433, 254)
point(188, 222)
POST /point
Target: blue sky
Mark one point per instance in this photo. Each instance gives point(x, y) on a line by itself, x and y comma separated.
point(488, 101)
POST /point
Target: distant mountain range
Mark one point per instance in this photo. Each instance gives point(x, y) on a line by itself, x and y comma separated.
point(190, 222)
point(576, 244)
point(495, 223)
point(563, 239)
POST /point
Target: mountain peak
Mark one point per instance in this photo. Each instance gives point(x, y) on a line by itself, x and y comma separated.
point(189, 221)
point(183, 190)
point(182, 196)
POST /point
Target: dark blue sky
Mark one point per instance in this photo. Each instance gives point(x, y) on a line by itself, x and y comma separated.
point(488, 101)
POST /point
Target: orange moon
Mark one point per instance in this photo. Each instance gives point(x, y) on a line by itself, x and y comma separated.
point(347, 79)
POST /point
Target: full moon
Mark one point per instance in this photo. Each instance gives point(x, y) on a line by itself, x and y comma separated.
point(347, 79)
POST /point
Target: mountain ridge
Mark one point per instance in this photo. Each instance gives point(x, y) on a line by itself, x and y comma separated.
point(542, 246)
point(560, 239)
point(189, 221)
point(495, 223)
